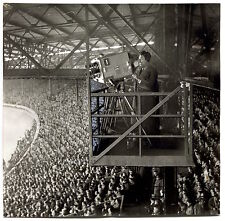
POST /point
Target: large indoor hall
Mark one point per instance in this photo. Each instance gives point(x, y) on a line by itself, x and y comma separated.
point(111, 110)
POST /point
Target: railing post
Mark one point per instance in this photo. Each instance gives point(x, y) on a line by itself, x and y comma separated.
point(139, 128)
point(185, 87)
point(98, 119)
point(191, 120)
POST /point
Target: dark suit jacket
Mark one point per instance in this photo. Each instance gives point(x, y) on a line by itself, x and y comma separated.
point(149, 78)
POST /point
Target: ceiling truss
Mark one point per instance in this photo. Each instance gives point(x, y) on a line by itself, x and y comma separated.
point(55, 36)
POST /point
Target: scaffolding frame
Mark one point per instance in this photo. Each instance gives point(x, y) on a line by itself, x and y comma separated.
point(141, 160)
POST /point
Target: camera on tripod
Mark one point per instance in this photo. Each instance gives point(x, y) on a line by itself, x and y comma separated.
point(112, 67)
point(115, 71)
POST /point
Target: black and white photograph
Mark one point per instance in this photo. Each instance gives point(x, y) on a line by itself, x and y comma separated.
point(111, 109)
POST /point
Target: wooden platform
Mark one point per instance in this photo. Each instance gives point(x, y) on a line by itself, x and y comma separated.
point(166, 152)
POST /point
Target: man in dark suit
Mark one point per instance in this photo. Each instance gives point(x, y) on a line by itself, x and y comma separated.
point(147, 79)
point(147, 75)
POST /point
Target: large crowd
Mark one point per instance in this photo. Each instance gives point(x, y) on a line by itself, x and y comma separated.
point(198, 188)
point(55, 179)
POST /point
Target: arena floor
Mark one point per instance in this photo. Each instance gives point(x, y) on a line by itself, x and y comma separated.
point(15, 123)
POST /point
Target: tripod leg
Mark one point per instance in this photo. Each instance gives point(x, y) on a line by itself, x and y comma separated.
point(108, 108)
point(123, 112)
point(111, 119)
point(104, 120)
point(132, 113)
point(108, 119)
point(134, 104)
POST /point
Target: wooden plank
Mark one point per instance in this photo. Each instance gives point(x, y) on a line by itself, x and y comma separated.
point(146, 161)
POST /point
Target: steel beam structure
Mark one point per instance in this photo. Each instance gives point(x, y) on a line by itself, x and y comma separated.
point(81, 58)
point(146, 32)
point(80, 22)
point(143, 39)
point(204, 20)
point(74, 36)
point(91, 33)
point(30, 29)
point(26, 28)
point(131, 6)
point(44, 50)
point(40, 18)
point(25, 53)
point(7, 17)
point(181, 39)
point(106, 21)
point(49, 52)
point(35, 73)
point(75, 48)
point(188, 40)
point(149, 7)
point(53, 25)
point(19, 63)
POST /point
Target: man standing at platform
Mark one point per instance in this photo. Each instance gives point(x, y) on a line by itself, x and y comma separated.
point(147, 75)
point(147, 79)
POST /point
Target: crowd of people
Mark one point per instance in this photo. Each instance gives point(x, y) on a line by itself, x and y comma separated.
point(198, 189)
point(55, 178)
